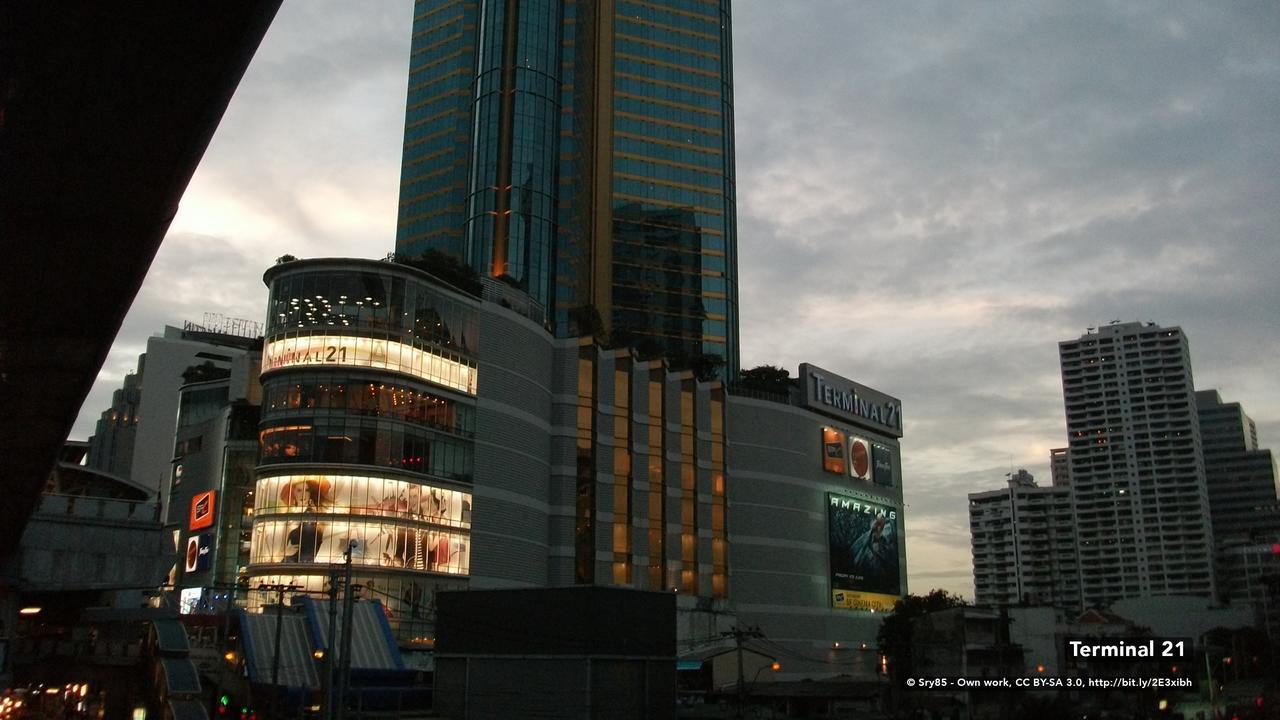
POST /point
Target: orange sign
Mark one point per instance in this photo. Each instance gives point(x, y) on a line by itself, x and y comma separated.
point(832, 450)
point(201, 511)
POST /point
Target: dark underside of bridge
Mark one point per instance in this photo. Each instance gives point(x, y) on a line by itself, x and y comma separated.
point(105, 111)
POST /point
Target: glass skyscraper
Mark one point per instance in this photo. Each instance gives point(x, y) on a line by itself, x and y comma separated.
point(583, 152)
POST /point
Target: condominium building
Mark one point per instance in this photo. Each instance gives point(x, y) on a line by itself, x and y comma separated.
point(1024, 545)
point(1140, 498)
point(582, 152)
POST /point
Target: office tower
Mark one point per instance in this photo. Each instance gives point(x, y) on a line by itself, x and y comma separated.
point(1242, 496)
point(1024, 545)
point(584, 153)
point(1140, 498)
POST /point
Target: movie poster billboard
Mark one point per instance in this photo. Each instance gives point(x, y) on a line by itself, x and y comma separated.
point(832, 450)
point(864, 537)
point(859, 458)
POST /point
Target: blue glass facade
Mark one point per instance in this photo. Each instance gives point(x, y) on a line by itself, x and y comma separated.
point(433, 173)
point(595, 153)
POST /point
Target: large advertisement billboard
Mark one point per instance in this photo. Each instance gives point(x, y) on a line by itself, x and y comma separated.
point(865, 571)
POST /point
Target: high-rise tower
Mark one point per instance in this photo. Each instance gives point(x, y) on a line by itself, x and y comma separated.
point(1137, 472)
point(583, 152)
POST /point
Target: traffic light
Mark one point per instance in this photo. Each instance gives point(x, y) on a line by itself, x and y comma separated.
point(223, 701)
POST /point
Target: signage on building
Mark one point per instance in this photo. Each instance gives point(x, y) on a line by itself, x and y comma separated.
point(351, 351)
point(865, 460)
point(831, 394)
point(882, 464)
point(832, 450)
point(189, 600)
point(199, 553)
point(864, 561)
point(201, 511)
point(859, 458)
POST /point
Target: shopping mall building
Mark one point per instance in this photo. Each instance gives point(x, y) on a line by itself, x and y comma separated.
point(452, 442)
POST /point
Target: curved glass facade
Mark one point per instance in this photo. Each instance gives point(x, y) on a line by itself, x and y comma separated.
point(366, 434)
point(511, 202)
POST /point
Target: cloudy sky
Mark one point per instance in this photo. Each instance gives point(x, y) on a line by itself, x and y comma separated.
point(931, 196)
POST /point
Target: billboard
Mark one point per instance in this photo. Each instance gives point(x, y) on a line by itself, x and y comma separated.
point(865, 570)
point(859, 458)
point(189, 600)
point(832, 450)
point(199, 552)
point(201, 511)
point(882, 465)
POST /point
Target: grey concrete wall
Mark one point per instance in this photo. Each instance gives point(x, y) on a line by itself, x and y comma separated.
point(780, 575)
point(513, 464)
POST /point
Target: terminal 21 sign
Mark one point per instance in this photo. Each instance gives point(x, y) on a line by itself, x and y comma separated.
point(831, 394)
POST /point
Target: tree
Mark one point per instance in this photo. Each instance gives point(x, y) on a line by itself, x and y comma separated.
point(446, 267)
point(285, 258)
point(766, 378)
point(895, 633)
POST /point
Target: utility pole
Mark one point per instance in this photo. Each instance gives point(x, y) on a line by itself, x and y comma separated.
point(327, 676)
point(344, 664)
point(740, 634)
point(280, 590)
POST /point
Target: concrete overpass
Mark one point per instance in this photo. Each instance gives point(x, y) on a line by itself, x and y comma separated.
point(105, 112)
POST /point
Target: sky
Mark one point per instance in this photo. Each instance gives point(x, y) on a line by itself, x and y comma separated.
point(931, 196)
